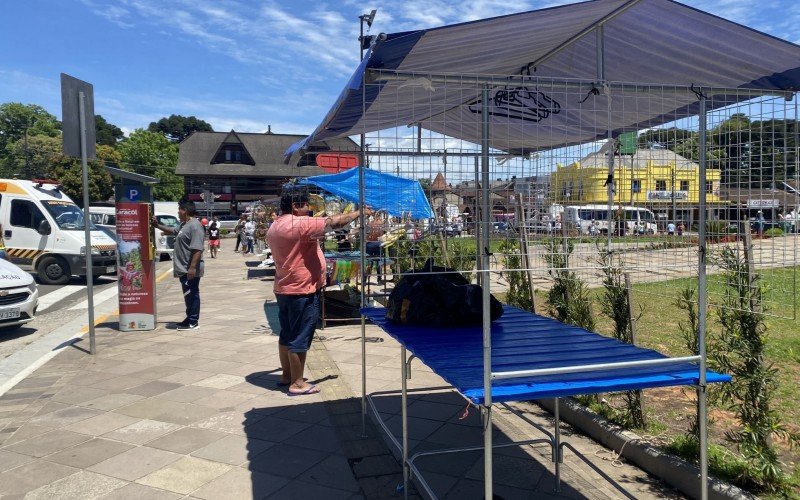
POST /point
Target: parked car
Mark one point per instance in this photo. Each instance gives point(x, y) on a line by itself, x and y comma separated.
point(19, 296)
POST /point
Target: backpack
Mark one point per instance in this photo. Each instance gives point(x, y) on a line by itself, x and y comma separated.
point(438, 300)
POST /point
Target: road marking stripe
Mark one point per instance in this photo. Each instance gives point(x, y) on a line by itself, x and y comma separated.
point(98, 299)
point(49, 300)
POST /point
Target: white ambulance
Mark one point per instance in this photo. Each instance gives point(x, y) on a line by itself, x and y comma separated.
point(43, 232)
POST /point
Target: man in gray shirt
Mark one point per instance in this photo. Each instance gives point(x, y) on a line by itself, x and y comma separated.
point(187, 260)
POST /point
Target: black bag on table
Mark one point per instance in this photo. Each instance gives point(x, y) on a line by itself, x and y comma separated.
point(425, 298)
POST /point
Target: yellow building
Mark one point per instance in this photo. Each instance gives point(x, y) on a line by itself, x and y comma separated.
point(659, 179)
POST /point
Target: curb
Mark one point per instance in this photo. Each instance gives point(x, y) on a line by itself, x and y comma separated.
point(676, 472)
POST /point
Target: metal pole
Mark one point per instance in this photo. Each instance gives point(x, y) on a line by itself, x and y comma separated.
point(87, 234)
point(487, 326)
point(601, 77)
point(557, 444)
point(404, 416)
point(363, 252)
point(702, 411)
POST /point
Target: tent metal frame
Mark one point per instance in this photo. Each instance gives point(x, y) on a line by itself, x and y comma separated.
point(373, 76)
point(483, 275)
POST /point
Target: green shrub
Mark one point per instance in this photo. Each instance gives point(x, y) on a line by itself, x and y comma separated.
point(773, 232)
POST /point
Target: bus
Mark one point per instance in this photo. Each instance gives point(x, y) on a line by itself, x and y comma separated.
point(638, 220)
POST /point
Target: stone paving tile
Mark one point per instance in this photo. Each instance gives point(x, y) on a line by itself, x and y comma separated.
point(21, 480)
point(316, 437)
point(156, 372)
point(187, 393)
point(334, 472)
point(83, 485)
point(118, 384)
point(135, 463)
point(286, 460)
point(27, 431)
point(166, 411)
point(142, 431)
point(220, 381)
point(233, 450)
point(187, 376)
point(135, 491)
point(89, 453)
point(77, 395)
point(224, 399)
point(186, 440)
point(241, 484)
point(232, 422)
point(185, 475)
point(275, 429)
point(112, 401)
point(10, 460)
point(46, 444)
point(152, 388)
point(101, 424)
point(301, 490)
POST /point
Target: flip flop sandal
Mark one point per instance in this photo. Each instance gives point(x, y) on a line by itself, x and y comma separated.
point(311, 390)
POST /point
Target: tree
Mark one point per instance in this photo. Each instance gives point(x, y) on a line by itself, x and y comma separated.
point(106, 133)
point(69, 173)
point(18, 120)
point(176, 128)
point(150, 153)
point(31, 158)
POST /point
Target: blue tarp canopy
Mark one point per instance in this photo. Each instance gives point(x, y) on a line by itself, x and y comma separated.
point(658, 42)
point(396, 195)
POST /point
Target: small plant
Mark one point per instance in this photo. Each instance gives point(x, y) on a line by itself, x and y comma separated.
point(740, 352)
point(519, 290)
point(568, 299)
point(773, 232)
point(614, 304)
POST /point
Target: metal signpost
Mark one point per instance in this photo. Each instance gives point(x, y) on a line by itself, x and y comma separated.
point(78, 128)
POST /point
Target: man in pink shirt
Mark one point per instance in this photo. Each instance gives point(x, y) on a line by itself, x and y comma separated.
point(299, 275)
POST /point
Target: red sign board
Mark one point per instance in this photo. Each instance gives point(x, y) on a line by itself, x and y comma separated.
point(335, 163)
point(136, 268)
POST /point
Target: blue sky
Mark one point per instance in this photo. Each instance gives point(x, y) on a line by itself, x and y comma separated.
point(239, 64)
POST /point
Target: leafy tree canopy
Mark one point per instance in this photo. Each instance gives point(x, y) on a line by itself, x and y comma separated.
point(177, 128)
point(150, 153)
point(68, 172)
point(31, 159)
point(17, 118)
point(106, 133)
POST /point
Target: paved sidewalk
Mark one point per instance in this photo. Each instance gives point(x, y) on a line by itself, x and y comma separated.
point(168, 414)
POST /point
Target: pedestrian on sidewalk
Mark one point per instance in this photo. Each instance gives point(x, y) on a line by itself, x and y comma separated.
point(299, 275)
point(187, 262)
point(213, 238)
point(239, 231)
point(249, 236)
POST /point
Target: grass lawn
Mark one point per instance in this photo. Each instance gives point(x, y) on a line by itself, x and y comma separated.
point(658, 329)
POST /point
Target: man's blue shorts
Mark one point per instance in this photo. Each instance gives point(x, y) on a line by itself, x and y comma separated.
point(298, 316)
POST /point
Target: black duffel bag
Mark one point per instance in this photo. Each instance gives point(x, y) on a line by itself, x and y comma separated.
point(438, 296)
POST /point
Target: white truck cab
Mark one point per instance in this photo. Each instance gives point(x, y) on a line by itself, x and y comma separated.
point(43, 231)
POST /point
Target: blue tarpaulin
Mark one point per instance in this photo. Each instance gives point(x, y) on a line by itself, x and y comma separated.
point(396, 195)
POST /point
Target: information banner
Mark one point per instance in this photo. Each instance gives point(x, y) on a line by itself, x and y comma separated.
point(136, 268)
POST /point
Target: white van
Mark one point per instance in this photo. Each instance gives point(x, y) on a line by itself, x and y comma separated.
point(105, 217)
point(638, 220)
point(43, 232)
point(19, 297)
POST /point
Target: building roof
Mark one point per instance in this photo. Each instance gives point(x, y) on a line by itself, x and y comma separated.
point(639, 159)
point(439, 184)
point(198, 150)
